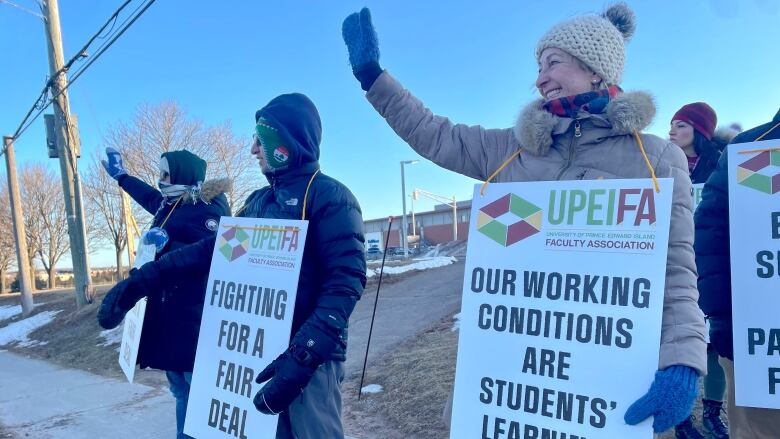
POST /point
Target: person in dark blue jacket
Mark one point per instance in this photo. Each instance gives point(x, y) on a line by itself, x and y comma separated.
point(186, 209)
point(713, 263)
point(303, 383)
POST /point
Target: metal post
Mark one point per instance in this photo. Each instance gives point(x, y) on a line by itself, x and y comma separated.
point(414, 226)
point(66, 134)
point(22, 258)
point(403, 214)
point(454, 219)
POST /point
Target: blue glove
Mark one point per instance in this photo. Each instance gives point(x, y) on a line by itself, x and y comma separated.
point(113, 165)
point(363, 47)
point(291, 372)
point(156, 236)
point(670, 398)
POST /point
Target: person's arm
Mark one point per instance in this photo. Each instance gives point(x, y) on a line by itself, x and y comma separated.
point(682, 328)
point(712, 243)
point(148, 197)
point(470, 150)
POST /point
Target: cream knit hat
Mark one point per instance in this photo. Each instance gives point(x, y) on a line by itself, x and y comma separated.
point(596, 40)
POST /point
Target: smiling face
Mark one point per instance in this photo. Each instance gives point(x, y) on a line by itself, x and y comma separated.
point(681, 133)
point(561, 74)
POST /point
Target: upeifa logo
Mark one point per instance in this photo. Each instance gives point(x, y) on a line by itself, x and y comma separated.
point(761, 172)
point(233, 243)
point(509, 220)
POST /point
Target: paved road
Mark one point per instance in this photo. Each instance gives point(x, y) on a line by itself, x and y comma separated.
point(405, 308)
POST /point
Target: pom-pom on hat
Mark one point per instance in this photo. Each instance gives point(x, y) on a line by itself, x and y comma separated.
point(701, 116)
point(597, 40)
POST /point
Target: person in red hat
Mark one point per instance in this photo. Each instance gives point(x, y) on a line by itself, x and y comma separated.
point(693, 129)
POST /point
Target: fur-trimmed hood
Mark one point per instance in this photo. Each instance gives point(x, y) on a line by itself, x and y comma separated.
point(211, 189)
point(625, 113)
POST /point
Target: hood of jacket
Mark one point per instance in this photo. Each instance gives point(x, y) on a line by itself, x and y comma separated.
point(209, 190)
point(185, 167)
point(625, 113)
point(296, 120)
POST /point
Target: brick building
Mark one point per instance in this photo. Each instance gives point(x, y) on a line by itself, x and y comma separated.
point(431, 227)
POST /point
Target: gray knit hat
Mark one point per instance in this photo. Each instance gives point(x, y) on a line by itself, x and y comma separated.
point(596, 40)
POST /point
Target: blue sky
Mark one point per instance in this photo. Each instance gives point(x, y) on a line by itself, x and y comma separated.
point(471, 61)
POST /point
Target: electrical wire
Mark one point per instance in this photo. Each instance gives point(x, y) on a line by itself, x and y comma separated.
point(27, 121)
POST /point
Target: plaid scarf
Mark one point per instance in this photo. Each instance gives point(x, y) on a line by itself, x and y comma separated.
point(594, 102)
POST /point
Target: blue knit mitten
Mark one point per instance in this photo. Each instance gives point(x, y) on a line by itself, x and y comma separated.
point(363, 46)
point(670, 398)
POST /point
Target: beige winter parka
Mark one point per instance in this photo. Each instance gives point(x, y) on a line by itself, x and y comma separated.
point(591, 147)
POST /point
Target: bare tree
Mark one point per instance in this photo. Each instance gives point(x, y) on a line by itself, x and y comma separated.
point(232, 159)
point(45, 216)
point(156, 129)
point(7, 244)
point(104, 207)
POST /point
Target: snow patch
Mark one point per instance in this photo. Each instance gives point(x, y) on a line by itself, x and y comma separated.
point(8, 311)
point(455, 322)
point(418, 264)
point(372, 388)
point(18, 332)
point(111, 336)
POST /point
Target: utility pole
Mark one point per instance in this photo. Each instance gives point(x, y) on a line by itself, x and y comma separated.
point(66, 133)
point(22, 258)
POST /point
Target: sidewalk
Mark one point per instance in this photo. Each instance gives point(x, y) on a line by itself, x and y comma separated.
point(39, 400)
point(42, 400)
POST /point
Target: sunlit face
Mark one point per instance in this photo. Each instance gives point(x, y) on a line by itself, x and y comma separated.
point(165, 176)
point(681, 133)
point(560, 74)
point(257, 151)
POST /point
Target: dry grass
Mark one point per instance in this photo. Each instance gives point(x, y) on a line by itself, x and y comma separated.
point(416, 377)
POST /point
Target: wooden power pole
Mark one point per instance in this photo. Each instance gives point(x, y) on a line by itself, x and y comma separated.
point(66, 134)
point(22, 258)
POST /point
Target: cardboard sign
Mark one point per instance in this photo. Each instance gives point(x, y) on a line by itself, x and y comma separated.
point(134, 320)
point(247, 317)
point(754, 227)
point(563, 292)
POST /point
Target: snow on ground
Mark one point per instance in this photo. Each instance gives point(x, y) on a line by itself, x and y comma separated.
point(418, 264)
point(372, 388)
point(111, 336)
point(455, 322)
point(18, 332)
point(8, 311)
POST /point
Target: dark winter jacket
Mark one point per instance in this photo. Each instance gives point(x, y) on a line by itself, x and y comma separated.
point(708, 160)
point(333, 272)
point(172, 322)
point(712, 245)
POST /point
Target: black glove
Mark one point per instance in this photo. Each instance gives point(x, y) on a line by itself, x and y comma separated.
point(291, 372)
point(121, 298)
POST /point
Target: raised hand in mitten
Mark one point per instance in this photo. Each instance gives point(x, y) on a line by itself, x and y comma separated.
point(113, 165)
point(669, 400)
point(363, 46)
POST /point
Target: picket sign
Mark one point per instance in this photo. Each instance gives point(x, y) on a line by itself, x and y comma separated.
point(247, 318)
point(754, 230)
point(561, 313)
point(134, 320)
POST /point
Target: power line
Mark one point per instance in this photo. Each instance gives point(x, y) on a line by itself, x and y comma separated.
point(29, 11)
point(42, 103)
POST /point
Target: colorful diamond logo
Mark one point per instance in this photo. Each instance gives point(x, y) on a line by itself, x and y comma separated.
point(509, 220)
point(753, 173)
point(233, 243)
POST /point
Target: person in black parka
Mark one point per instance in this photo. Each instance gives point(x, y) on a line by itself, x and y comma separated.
point(186, 209)
point(712, 259)
point(304, 382)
